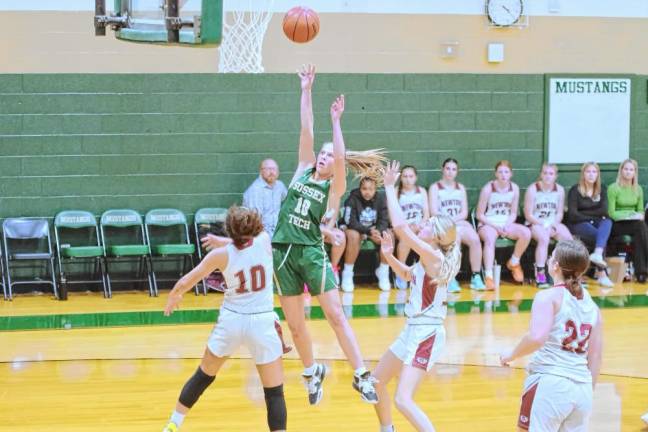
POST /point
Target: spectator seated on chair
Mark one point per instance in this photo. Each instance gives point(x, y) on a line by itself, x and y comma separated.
point(544, 207)
point(265, 194)
point(587, 216)
point(365, 218)
point(625, 207)
point(497, 212)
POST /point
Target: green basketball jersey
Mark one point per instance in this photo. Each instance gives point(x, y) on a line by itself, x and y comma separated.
point(302, 211)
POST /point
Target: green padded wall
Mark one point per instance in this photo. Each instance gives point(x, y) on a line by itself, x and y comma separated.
point(98, 141)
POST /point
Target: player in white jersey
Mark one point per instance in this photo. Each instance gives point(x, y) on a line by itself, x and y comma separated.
point(420, 343)
point(565, 333)
point(448, 197)
point(544, 206)
point(414, 203)
point(497, 211)
point(247, 316)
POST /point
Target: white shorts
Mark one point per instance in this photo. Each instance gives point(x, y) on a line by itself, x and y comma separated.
point(260, 333)
point(551, 403)
point(419, 345)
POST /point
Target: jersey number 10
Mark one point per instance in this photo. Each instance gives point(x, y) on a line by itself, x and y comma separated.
point(257, 280)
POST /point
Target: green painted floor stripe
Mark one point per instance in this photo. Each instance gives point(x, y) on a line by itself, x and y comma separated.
point(205, 316)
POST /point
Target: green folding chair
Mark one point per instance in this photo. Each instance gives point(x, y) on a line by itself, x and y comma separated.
point(77, 244)
point(167, 235)
point(124, 241)
point(206, 220)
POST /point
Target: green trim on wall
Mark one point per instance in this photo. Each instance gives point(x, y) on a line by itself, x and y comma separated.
point(207, 316)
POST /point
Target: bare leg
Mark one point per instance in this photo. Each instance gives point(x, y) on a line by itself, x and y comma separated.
point(410, 379)
point(522, 237)
point(542, 237)
point(388, 367)
point(330, 302)
point(488, 236)
point(470, 238)
point(293, 308)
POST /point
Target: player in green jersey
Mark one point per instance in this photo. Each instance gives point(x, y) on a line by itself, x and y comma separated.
point(298, 246)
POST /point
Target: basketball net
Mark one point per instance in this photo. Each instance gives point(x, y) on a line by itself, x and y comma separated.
point(244, 27)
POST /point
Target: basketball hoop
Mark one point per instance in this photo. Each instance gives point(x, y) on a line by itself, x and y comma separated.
point(244, 27)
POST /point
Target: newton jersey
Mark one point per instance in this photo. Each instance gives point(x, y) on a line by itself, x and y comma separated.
point(565, 352)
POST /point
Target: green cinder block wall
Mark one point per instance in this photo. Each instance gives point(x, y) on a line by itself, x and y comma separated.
point(99, 141)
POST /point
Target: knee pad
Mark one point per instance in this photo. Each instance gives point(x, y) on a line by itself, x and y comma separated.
point(195, 387)
point(276, 406)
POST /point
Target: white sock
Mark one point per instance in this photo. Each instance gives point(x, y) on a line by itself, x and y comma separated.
point(309, 371)
point(515, 260)
point(360, 371)
point(177, 418)
point(488, 273)
point(348, 268)
point(389, 428)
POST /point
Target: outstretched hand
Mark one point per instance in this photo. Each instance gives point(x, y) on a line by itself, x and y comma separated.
point(387, 243)
point(337, 108)
point(307, 76)
point(391, 173)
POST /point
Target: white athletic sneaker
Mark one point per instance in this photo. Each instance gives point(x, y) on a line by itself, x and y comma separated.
point(382, 273)
point(347, 281)
point(605, 281)
point(598, 260)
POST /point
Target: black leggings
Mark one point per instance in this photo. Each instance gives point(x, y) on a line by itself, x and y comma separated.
point(639, 232)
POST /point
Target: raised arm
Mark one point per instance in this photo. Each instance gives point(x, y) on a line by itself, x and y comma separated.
point(399, 223)
point(306, 136)
point(216, 259)
point(338, 184)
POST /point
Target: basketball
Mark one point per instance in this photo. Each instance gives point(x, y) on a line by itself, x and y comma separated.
point(301, 24)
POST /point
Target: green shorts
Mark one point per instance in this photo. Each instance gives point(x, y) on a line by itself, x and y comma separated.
point(296, 265)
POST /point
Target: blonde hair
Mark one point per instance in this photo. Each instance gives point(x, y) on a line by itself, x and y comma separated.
point(582, 185)
point(444, 230)
point(547, 165)
point(367, 164)
point(635, 180)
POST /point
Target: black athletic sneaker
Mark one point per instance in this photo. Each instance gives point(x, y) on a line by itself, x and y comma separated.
point(364, 384)
point(314, 384)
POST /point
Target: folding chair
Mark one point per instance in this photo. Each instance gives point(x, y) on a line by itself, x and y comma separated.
point(124, 241)
point(77, 243)
point(207, 220)
point(167, 235)
point(28, 240)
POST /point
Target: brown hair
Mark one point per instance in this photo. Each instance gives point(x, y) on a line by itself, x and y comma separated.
point(635, 180)
point(400, 181)
point(572, 258)
point(582, 185)
point(505, 163)
point(242, 224)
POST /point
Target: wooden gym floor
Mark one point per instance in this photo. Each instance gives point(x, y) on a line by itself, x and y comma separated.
point(117, 364)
